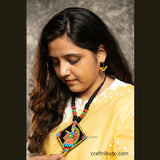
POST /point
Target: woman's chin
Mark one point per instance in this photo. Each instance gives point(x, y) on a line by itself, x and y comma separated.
point(75, 89)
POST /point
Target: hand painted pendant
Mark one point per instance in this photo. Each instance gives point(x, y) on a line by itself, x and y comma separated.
point(70, 137)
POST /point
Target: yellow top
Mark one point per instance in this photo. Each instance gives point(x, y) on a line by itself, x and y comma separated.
point(108, 125)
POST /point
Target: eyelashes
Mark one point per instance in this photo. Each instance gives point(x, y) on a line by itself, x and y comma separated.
point(70, 61)
point(74, 62)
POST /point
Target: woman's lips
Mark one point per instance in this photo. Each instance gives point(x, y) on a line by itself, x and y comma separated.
point(69, 81)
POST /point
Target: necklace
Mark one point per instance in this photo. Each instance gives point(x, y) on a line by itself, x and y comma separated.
point(73, 135)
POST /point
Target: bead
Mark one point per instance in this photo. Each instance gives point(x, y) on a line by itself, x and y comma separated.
point(84, 113)
point(74, 107)
point(82, 116)
point(74, 113)
point(74, 110)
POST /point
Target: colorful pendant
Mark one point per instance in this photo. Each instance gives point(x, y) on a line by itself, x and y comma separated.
point(70, 137)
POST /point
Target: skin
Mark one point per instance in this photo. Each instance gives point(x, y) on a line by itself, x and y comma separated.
point(77, 67)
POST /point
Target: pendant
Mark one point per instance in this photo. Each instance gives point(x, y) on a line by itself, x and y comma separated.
point(70, 137)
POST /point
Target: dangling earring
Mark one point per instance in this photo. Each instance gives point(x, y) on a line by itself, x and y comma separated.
point(103, 68)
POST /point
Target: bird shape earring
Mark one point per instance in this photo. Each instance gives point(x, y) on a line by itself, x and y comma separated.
point(103, 68)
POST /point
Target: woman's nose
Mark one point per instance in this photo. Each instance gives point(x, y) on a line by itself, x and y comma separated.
point(64, 69)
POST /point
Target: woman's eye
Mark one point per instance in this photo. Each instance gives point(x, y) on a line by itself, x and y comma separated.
point(73, 61)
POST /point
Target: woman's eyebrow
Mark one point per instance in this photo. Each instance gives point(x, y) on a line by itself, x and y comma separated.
point(67, 55)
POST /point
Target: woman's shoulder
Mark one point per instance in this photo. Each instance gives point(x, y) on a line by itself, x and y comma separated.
point(118, 89)
point(124, 92)
point(121, 85)
point(120, 96)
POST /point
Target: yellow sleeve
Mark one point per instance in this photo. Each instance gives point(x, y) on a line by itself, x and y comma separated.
point(121, 145)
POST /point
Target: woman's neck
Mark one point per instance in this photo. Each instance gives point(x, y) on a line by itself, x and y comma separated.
point(85, 95)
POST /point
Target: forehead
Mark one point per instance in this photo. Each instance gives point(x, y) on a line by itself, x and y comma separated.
point(62, 46)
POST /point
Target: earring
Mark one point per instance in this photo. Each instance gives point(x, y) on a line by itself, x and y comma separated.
point(103, 68)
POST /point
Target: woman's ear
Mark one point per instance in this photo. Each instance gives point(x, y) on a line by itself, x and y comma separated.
point(101, 54)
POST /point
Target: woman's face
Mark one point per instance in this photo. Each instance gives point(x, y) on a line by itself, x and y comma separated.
point(78, 68)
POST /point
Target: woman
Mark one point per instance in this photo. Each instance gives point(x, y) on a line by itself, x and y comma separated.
point(83, 100)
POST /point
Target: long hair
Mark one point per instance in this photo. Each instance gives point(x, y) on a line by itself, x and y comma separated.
point(49, 95)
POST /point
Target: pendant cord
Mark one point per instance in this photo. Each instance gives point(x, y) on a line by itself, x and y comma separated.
point(78, 118)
